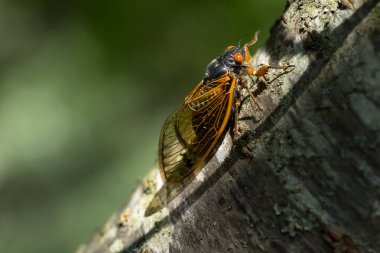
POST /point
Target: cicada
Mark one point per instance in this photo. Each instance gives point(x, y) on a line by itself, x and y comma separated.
point(190, 134)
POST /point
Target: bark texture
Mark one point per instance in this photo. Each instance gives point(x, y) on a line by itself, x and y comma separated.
point(304, 176)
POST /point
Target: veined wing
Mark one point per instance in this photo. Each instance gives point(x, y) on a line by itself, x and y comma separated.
point(190, 134)
point(204, 92)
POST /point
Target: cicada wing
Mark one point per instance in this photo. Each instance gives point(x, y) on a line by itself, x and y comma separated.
point(203, 94)
point(175, 157)
point(190, 134)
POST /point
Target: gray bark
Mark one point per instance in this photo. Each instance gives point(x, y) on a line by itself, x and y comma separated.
point(304, 175)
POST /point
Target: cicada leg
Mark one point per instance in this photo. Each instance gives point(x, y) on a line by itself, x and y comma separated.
point(246, 50)
point(237, 108)
point(253, 98)
point(263, 69)
point(259, 73)
point(237, 111)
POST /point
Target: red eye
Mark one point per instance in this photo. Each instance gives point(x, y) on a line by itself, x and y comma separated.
point(238, 57)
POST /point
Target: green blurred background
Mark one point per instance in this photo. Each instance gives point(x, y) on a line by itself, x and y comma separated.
point(84, 89)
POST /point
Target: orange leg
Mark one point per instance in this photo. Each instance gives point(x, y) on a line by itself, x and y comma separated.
point(237, 110)
point(260, 72)
point(252, 42)
point(253, 98)
point(263, 69)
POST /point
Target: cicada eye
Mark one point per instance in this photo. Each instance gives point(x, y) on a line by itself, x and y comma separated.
point(230, 46)
point(238, 57)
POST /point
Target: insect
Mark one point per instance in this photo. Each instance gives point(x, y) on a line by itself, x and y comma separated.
point(189, 135)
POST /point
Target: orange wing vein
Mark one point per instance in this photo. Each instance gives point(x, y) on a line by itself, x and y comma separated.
point(190, 133)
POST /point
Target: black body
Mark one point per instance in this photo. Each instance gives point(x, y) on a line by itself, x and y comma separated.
point(223, 64)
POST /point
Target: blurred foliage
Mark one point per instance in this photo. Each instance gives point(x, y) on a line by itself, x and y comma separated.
point(84, 89)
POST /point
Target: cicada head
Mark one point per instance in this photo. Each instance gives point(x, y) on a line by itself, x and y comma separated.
point(230, 61)
point(233, 58)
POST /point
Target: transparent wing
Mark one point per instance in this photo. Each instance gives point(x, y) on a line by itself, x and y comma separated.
point(190, 134)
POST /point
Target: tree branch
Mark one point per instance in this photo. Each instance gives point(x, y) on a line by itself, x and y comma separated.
point(304, 176)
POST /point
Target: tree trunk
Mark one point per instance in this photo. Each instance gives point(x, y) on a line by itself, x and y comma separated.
point(304, 176)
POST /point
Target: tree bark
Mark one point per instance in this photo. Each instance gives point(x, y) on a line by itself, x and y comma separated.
point(304, 175)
